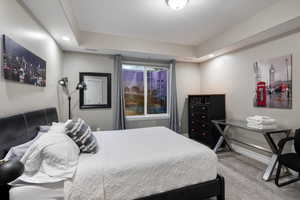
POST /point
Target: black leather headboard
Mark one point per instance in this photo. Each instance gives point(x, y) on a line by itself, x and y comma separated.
point(21, 128)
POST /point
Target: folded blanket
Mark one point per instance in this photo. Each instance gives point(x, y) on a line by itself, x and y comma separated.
point(264, 120)
point(261, 126)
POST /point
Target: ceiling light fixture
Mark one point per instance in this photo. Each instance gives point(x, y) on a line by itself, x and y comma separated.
point(177, 4)
point(211, 55)
point(65, 38)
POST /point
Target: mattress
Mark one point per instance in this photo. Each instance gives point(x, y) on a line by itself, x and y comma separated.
point(139, 162)
point(24, 191)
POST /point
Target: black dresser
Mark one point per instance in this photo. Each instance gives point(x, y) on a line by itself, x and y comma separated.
point(202, 109)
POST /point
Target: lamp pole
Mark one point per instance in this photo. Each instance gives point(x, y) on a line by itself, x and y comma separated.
point(69, 99)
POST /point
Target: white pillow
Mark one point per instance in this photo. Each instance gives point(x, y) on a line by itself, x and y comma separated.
point(57, 127)
point(51, 158)
point(17, 152)
point(44, 128)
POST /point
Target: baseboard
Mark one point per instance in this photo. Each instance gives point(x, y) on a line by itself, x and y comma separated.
point(246, 152)
point(251, 154)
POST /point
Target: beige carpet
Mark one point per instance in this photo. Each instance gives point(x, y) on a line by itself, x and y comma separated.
point(243, 180)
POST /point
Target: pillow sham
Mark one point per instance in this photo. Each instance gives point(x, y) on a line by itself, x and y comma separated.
point(17, 152)
point(44, 128)
point(82, 135)
point(53, 157)
point(57, 127)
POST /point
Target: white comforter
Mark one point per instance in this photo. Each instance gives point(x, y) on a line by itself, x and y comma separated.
point(140, 162)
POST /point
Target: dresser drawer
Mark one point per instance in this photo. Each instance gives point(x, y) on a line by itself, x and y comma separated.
point(194, 122)
point(203, 133)
point(203, 116)
point(199, 108)
point(203, 125)
point(195, 130)
point(199, 127)
point(203, 108)
point(203, 137)
point(199, 116)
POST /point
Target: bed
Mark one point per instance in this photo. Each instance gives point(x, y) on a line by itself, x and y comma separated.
point(125, 166)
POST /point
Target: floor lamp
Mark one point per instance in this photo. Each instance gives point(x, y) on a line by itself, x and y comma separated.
point(64, 83)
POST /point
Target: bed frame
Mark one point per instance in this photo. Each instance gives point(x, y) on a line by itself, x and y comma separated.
point(21, 128)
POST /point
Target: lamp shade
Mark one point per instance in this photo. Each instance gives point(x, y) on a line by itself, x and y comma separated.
point(63, 82)
point(81, 86)
point(10, 170)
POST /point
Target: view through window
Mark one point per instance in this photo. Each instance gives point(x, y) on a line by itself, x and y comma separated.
point(145, 90)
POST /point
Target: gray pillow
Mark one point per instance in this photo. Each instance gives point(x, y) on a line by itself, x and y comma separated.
point(82, 135)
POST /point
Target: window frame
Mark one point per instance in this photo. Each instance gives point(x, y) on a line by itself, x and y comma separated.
point(147, 116)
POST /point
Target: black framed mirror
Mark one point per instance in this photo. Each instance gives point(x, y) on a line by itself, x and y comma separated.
point(98, 90)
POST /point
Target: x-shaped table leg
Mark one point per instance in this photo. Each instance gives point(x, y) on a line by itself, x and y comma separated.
point(222, 138)
point(274, 159)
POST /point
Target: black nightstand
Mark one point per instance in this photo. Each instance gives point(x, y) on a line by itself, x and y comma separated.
point(4, 192)
point(9, 171)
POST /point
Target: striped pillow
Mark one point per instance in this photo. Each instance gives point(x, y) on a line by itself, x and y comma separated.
point(82, 135)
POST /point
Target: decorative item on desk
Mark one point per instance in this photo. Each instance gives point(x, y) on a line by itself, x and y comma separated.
point(261, 122)
point(10, 170)
point(64, 83)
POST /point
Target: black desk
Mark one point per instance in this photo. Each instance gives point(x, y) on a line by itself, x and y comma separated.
point(267, 133)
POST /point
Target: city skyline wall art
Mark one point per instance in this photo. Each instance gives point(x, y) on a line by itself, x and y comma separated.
point(273, 82)
point(21, 65)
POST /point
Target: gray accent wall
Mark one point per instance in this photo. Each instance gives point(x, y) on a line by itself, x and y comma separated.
point(188, 82)
point(15, 97)
point(233, 75)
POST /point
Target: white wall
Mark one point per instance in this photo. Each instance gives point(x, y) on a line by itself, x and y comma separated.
point(233, 75)
point(188, 82)
point(140, 46)
point(270, 22)
point(17, 24)
point(80, 62)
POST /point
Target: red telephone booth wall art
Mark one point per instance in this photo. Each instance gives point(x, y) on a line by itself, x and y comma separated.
point(273, 82)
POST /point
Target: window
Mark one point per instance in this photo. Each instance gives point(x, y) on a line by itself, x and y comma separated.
point(145, 90)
